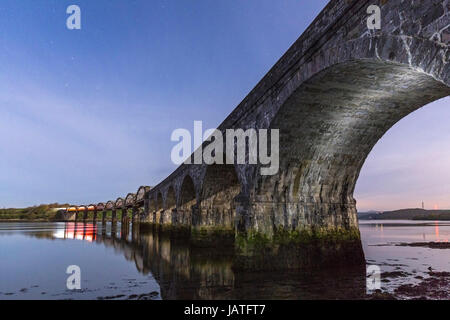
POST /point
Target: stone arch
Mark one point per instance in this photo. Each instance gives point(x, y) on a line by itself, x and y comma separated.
point(171, 199)
point(159, 207)
point(330, 121)
point(130, 205)
point(220, 186)
point(168, 210)
point(159, 201)
point(142, 202)
point(109, 205)
point(152, 204)
point(187, 200)
point(141, 193)
point(130, 200)
point(119, 203)
point(171, 204)
point(119, 206)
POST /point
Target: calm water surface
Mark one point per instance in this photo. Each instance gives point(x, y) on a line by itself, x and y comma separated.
point(402, 264)
point(128, 263)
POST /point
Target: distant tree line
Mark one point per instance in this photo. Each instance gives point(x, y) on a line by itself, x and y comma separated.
point(43, 212)
point(406, 214)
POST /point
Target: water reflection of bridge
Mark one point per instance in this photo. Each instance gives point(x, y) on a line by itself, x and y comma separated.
point(187, 272)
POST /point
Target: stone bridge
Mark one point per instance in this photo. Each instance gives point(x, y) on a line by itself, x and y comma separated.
point(332, 96)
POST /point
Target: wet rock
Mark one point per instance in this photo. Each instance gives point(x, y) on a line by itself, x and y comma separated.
point(111, 297)
point(380, 295)
point(148, 296)
point(432, 245)
point(394, 274)
point(437, 286)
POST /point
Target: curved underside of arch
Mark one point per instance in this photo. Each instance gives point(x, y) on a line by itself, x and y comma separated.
point(171, 200)
point(187, 200)
point(171, 205)
point(152, 205)
point(327, 127)
point(220, 187)
point(159, 208)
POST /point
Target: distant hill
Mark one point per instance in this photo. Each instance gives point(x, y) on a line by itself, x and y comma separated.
point(368, 215)
point(406, 214)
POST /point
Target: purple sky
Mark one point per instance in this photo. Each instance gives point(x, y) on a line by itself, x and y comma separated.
point(410, 163)
point(86, 115)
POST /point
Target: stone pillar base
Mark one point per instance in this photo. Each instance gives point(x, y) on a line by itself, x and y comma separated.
point(212, 237)
point(299, 250)
point(172, 231)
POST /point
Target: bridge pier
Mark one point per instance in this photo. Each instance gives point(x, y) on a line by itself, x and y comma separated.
point(163, 220)
point(85, 214)
point(146, 209)
point(273, 235)
point(124, 229)
point(122, 216)
point(174, 216)
point(113, 216)
point(209, 229)
point(258, 244)
point(135, 215)
point(153, 217)
point(95, 216)
point(160, 217)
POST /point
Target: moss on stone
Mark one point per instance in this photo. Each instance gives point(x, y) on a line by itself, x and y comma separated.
point(211, 231)
point(295, 249)
point(214, 236)
point(256, 241)
point(146, 226)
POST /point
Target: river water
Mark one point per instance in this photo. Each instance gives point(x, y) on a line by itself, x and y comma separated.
point(130, 263)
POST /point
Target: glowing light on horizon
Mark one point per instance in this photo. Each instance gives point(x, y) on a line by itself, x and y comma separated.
point(436, 231)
